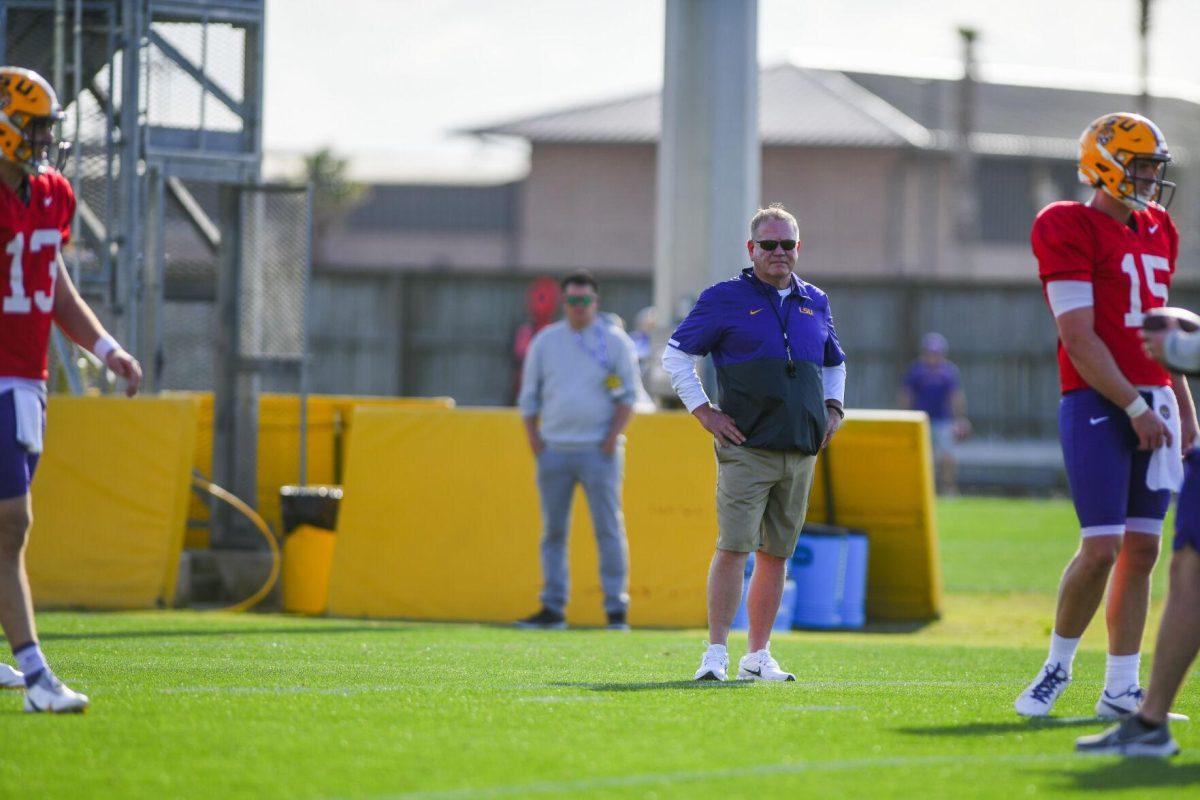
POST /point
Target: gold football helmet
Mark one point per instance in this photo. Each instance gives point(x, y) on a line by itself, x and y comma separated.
point(28, 111)
point(1126, 156)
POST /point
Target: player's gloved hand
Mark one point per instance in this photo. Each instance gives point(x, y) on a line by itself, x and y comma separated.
point(127, 367)
point(1151, 430)
point(720, 425)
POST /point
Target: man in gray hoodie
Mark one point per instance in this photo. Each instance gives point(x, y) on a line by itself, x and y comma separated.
point(578, 387)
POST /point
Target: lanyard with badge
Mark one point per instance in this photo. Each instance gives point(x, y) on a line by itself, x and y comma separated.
point(783, 321)
point(612, 381)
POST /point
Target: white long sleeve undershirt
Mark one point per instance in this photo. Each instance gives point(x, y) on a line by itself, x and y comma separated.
point(681, 367)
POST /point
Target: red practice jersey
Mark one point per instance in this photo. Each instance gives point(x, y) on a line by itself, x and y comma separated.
point(1130, 271)
point(31, 236)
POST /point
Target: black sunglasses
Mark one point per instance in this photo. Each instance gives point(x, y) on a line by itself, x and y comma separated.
point(769, 245)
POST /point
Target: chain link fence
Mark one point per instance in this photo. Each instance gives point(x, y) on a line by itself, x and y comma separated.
point(275, 275)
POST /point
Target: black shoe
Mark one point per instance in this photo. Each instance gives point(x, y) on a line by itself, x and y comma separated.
point(1130, 738)
point(544, 620)
point(616, 621)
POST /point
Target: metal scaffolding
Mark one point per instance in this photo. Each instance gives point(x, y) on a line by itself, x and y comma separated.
point(163, 102)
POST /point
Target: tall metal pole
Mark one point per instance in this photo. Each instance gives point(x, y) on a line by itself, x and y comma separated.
point(708, 152)
point(129, 244)
point(968, 207)
point(77, 149)
point(1144, 58)
point(60, 51)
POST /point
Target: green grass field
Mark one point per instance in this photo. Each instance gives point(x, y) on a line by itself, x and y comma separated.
point(211, 705)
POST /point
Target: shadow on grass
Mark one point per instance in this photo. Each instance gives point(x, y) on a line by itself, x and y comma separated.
point(651, 686)
point(168, 633)
point(1127, 773)
point(1016, 726)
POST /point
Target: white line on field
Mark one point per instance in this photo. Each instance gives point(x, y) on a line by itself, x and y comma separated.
point(346, 690)
point(819, 708)
point(620, 781)
point(561, 698)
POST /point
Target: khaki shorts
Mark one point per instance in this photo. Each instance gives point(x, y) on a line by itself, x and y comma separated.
point(762, 499)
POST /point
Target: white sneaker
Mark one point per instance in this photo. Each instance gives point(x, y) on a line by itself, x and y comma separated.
point(51, 695)
point(1122, 704)
point(761, 667)
point(10, 678)
point(1039, 696)
point(713, 665)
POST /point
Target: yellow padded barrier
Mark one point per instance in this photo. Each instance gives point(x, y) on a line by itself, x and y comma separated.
point(110, 500)
point(279, 448)
point(882, 470)
point(440, 518)
point(279, 445)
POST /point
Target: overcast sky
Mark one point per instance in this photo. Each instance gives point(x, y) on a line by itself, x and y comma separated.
point(399, 77)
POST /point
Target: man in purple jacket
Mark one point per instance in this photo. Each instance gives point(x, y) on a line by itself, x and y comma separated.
point(932, 385)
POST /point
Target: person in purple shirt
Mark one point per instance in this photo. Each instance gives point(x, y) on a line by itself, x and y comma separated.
point(932, 385)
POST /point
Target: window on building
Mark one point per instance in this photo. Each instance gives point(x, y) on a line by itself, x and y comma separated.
point(1012, 191)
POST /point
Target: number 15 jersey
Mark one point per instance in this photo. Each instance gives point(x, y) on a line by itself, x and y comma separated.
point(31, 236)
point(1130, 270)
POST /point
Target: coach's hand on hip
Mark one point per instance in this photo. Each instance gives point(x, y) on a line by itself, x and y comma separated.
point(719, 425)
point(833, 420)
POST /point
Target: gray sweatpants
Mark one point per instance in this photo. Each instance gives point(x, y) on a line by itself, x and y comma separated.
point(557, 473)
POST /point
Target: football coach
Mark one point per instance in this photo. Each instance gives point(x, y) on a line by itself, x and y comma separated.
point(781, 376)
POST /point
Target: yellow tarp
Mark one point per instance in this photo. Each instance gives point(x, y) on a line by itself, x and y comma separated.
point(440, 518)
point(110, 500)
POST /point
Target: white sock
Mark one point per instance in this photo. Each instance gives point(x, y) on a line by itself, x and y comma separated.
point(718, 650)
point(1121, 672)
point(31, 662)
point(1062, 651)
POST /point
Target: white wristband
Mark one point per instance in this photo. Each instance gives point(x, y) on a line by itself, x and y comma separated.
point(104, 346)
point(1137, 407)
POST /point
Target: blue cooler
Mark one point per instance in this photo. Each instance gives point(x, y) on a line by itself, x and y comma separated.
point(830, 571)
point(783, 620)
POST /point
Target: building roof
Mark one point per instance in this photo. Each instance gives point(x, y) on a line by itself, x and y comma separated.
point(436, 209)
point(814, 107)
point(803, 106)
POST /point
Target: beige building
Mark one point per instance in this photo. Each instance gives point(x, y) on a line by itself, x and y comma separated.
point(421, 289)
point(868, 163)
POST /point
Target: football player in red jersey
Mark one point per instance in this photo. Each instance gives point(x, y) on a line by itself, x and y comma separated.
point(36, 208)
point(1123, 420)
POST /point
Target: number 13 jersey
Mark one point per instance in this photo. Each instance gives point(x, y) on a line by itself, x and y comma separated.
point(1130, 270)
point(31, 236)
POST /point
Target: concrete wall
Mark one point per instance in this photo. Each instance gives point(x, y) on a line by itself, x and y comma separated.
point(388, 250)
point(588, 206)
